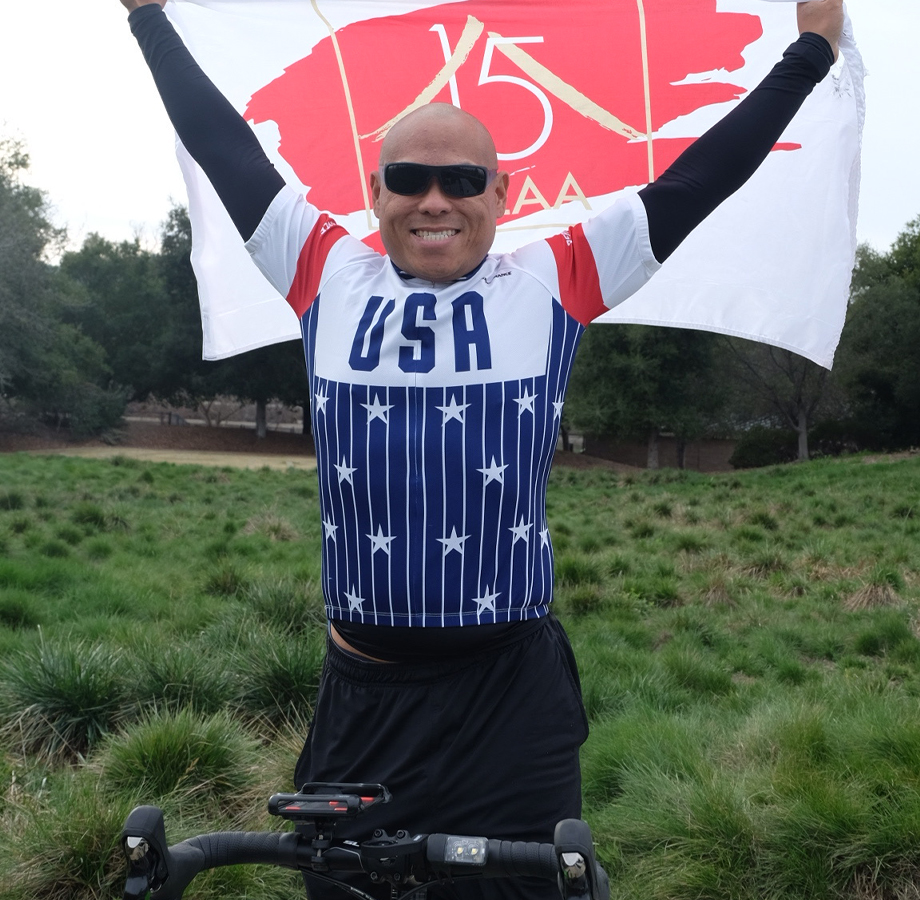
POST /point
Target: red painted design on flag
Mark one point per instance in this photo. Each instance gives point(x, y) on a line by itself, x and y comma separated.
point(597, 52)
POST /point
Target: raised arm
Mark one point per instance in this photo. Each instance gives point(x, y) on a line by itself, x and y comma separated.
point(721, 160)
point(824, 17)
point(212, 131)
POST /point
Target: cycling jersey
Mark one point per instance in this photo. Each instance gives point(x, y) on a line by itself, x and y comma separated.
point(436, 408)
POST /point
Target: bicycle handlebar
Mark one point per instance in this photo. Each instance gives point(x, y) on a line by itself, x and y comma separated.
point(402, 860)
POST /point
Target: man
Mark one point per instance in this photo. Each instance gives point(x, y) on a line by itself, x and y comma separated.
point(437, 376)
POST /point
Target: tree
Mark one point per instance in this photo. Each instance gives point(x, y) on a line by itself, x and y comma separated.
point(124, 309)
point(776, 386)
point(637, 381)
point(879, 356)
point(25, 278)
point(48, 367)
point(258, 376)
point(183, 374)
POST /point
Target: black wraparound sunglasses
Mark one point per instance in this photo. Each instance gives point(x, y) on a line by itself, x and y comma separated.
point(409, 179)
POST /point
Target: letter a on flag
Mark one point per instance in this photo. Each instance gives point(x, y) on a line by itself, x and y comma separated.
point(586, 100)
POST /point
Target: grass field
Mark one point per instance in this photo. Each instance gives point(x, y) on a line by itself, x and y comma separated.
point(748, 646)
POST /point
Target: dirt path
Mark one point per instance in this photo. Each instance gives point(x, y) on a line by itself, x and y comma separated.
point(234, 459)
point(236, 447)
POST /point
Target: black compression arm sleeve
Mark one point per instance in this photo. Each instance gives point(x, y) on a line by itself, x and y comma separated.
point(721, 160)
point(212, 131)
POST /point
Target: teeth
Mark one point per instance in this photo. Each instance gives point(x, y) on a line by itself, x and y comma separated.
point(435, 235)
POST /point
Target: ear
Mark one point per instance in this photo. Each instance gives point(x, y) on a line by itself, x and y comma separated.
point(500, 186)
point(376, 186)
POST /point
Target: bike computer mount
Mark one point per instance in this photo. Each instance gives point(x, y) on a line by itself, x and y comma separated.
point(323, 804)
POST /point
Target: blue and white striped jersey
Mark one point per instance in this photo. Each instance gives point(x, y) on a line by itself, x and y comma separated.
point(436, 409)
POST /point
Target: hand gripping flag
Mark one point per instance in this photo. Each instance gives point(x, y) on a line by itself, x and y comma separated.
point(585, 99)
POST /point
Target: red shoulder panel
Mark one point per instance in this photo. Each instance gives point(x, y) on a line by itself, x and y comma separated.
point(311, 262)
point(579, 284)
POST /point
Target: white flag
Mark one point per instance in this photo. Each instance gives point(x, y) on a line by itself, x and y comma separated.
point(586, 100)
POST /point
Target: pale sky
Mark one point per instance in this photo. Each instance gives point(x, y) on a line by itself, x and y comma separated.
point(74, 88)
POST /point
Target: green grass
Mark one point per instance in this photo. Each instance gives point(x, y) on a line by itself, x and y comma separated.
point(748, 645)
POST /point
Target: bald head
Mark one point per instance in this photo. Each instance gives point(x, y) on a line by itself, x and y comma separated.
point(435, 234)
point(435, 128)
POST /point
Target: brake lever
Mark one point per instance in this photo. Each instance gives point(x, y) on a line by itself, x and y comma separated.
point(143, 841)
point(580, 877)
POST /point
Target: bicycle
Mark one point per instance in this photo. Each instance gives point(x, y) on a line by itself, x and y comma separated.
point(409, 863)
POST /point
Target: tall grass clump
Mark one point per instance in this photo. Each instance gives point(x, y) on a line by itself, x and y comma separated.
point(172, 677)
point(880, 588)
point(638, 741)
point(12, 500)
point(285, 604)
point(676, 838)
point(61, 841)
point(279, 677)
point(89, 514)
point(205, 757)
point(887, 632)
point(59, 699)
point(17, 611)
point(225, 579)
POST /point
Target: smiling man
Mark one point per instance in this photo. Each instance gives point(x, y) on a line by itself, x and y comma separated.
point(437, 376)
point(427, 228)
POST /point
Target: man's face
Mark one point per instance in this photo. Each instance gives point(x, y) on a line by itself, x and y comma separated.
point(432, 235)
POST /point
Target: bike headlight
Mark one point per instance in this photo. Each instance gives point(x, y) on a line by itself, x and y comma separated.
point(466, 851)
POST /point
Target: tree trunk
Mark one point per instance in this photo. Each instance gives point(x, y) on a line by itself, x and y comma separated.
point(261, 419)
point(681, 453)
point(564, 434)
point(205, 409)
point(802, 430)
point(652, 462)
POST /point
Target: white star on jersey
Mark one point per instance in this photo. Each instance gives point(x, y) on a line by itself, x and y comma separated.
point(453, 410)
point(345, 472)
point(494, 472)
point(525, 402)
point(486, 601)
point(329, 529)
point(354, 601)
point(376, 410)
point(557, 408)
point(520, 531)
point(454, 542)
point(380, 541)
point(319, 402)
point(544, 537)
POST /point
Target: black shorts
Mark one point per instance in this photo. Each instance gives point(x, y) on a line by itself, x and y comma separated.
point(487, 745)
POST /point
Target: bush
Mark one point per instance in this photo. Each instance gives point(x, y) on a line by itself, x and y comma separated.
point(762, 446)
point(95, 410)
point(833, 438)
